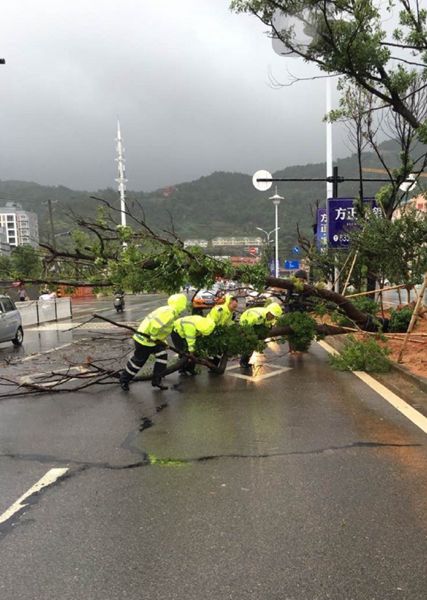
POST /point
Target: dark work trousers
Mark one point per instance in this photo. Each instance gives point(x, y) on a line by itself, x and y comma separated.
point(140, 357)
point(181, 345)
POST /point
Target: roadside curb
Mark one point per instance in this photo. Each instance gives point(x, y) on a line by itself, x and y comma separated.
point(420, 382)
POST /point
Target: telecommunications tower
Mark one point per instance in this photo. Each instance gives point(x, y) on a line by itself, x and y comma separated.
point(121, 179)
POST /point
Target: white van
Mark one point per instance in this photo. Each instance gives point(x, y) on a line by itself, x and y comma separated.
point(10, 322)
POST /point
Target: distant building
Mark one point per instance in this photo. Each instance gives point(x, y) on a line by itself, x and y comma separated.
point(4, 246)
point(244, 260)
point(237, 241)
point(194, 242)
point(20, 225)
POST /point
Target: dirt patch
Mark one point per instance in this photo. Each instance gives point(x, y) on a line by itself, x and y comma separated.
point(414, 357)
point(415, 354)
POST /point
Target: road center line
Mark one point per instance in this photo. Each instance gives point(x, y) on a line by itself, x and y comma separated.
point(403, 407)
point(50, 477)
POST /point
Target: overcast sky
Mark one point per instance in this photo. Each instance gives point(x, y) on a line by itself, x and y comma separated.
point(188, 79)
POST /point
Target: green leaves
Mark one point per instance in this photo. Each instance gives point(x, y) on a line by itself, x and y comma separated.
point(303, 327)
point(234, 340)
point(24, 263)
point(395, 250)
point(349, 38)
point(362, 355)
point(400, 319)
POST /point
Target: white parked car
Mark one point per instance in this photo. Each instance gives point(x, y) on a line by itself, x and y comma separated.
point(10, 322)
point(255, 298)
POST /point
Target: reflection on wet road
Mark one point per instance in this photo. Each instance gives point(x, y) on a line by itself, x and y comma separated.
point(57, 334)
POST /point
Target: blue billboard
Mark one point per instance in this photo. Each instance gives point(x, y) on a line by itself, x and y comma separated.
point(341, 218)
point(291, 264)
point(322, 229)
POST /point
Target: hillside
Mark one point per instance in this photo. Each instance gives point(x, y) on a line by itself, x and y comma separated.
point(218, 204)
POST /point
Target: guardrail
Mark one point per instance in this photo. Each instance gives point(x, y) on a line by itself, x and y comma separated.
point(35, 312)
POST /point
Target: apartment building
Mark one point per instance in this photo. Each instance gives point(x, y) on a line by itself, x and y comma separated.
point(4, 246)
point(20, 225)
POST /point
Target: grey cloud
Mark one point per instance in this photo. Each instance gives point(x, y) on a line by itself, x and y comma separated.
point(188, 80)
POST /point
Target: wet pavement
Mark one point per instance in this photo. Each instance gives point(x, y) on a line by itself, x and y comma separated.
point(300, 483)
point(55, 334)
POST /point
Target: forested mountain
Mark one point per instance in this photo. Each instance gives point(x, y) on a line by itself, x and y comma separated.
point(218, 204)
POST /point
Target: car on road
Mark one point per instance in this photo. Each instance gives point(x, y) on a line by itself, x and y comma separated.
point(254, 298)
point(10, 322)
point(207, 299)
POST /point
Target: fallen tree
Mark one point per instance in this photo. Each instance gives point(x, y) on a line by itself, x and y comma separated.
point(105, 255)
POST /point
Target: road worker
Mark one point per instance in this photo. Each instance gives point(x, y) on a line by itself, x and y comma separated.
point(185, 332)
point(150, 339)
point(222, 314)
point(295, 299)
point(254, 317)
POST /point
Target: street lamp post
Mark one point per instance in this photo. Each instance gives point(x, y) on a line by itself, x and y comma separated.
point(276, 202)
point(51, 223)
point(267, 240)
point(267, 233)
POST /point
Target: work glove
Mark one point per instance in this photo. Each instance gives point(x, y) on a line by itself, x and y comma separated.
point(158, 342)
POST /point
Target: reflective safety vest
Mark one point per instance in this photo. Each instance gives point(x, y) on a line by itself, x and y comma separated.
point(254, 316)
point(157, 326)
point(221, 315)
point(190, 327)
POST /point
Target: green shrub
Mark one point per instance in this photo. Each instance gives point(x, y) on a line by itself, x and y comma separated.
point(234, 340)
point(366, 305)
point(362, 355)
point(399, 319)
point(303, 327)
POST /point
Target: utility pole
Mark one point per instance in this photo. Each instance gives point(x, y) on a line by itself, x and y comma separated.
point(121, 179)
point(52, 227)
point(276, 202)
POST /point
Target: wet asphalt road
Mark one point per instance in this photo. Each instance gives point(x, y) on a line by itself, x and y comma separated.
point(52, 335)
point(303, 485)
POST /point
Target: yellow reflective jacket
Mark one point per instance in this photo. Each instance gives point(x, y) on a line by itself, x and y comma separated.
point(159, 323)
point(254, 316)
point(221, 314)
point(192, 326)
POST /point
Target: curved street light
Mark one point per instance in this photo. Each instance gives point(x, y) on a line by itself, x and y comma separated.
point(267, 233)
point(268, 241)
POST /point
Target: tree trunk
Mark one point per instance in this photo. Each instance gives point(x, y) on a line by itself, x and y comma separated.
point(361, 319)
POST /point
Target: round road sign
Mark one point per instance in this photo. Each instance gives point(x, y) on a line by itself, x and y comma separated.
point(262, 186)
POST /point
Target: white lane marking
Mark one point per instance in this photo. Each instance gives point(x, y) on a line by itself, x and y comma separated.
point(49, 478)
point(33, 356)
point(131, 307)
point(48, 351)
point(32, 378)
point(61, 326)
point(403, 407)
point(254, 377)
point(66, 327)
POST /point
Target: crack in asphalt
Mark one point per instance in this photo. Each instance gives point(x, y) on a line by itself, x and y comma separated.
point(147, 459)
point(151, 460)
point(49, 459)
